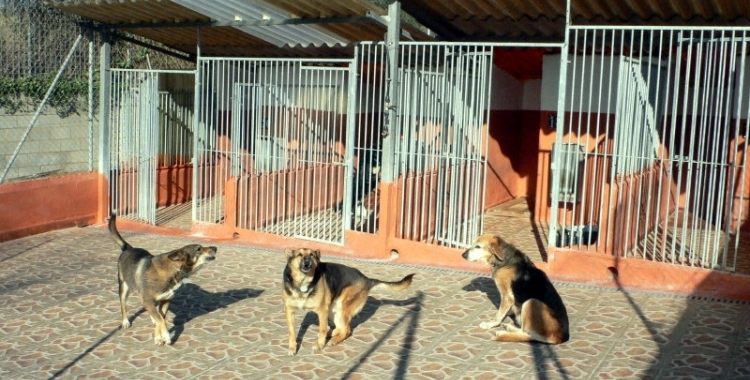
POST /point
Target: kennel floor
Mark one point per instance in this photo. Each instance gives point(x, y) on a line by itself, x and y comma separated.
point(60, 319)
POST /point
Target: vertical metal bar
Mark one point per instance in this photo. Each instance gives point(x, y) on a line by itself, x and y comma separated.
point(104, 121)
point(661, 221)
point(90, 113)
point(350, 143)
point(607, 154)
point(728, 80)
point(391, 128)
point(197, 112)
point(718, 140)
point(691, 150)
point(555, 169)
point(741, 168)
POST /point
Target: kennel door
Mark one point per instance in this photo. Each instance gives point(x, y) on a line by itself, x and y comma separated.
point(462, 167)
point(133, 144)
point(441, 163)
point(291, 134)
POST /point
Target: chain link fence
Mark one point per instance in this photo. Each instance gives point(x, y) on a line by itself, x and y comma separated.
point(43, 131)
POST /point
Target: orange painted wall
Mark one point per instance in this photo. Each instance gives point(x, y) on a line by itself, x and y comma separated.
point(47, 204)
point(175, 184)
point(276, 196)
point(512, 156)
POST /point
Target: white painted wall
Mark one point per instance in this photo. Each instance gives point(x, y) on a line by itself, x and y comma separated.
point(532, 95)
point(595, 88)
point(506, 91)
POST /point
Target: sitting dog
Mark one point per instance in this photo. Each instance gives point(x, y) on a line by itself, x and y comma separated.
point(155, 278)
point(330, 290)
point(525, 289)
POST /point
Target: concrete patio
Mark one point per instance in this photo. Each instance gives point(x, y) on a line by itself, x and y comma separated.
point(59, 318)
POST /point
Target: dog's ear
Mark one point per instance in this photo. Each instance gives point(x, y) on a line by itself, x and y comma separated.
point(289, 253)
point(316, 254)
point(178, 255)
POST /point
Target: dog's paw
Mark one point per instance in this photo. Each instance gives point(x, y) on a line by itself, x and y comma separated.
point(125, 324)
point(291, 351)
point(487, 325)
point(162, 340)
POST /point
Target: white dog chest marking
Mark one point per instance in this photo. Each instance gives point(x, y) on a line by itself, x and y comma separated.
point(169, 294)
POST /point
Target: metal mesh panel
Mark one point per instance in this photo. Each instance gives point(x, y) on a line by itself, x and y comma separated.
point(134, 142)
point(276, 130)
point(151, 143)
point(441, 150)
point(661, 115)
point(56, 136)
point(368, 136)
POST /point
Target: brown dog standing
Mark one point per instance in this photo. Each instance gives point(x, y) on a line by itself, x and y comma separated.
point(155, 278)
point(523, 288)
point(330, 290)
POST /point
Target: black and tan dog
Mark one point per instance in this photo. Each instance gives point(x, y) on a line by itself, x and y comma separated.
point(155, 278)
point(331, 290)
point(525, 289)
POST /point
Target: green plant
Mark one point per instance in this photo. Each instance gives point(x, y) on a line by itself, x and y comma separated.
point(26, 92)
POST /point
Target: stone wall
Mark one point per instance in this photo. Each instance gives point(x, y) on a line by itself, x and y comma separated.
point(56, 144)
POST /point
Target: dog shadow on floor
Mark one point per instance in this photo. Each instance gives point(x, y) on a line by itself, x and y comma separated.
point(371, 306)
point(192, 302)
point(487, 286)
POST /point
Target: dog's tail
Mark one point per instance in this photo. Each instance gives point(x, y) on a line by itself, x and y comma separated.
point(395, 286)
point(116, 235)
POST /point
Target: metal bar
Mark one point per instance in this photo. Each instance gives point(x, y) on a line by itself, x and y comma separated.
point(236, 23)
point(41, 107)
point(150, 46)
point(90, 113)
point(156, 71)
point(734, 167)
point(550, 45)
point(350, 142)
point(659, 27)
point(555, 171)
point(197, 130)
point(392, 119)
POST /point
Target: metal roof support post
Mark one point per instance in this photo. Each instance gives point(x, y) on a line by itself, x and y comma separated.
point(105, 80)
point(90, 115)
point(555, 169)
point(196, 121)
point(391, 124)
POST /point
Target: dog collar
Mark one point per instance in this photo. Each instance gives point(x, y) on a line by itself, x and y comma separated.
point(303, 288)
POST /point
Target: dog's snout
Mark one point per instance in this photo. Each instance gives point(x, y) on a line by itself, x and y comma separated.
point(306, 264)
point(465, 255)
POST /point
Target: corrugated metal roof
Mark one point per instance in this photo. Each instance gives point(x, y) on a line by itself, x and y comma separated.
point(334, 39)
point(451, 19)
point(278, 35)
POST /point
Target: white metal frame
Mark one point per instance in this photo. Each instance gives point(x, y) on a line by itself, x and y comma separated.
point(144, 124)
point(303, 109)
point(684, 112)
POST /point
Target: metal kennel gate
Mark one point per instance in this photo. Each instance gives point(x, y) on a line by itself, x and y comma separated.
point(652, 151)
point(442, 141)
point(276, 133)
point(149, 128)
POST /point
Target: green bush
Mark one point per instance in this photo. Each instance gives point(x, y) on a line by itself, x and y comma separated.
point(27, 92)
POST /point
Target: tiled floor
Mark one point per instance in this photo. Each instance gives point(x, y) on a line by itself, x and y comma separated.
point(59, 318)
